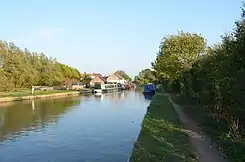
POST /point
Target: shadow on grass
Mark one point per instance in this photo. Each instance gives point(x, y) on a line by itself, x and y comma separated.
point(162, 137)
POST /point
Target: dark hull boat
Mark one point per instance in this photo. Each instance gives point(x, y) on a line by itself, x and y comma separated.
point(149, 89)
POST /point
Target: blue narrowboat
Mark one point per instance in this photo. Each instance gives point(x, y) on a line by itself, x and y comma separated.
point(149, 88)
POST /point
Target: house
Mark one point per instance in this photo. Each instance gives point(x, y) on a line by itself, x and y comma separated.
point(96, 79)
point(76, 86)
point(116, 78)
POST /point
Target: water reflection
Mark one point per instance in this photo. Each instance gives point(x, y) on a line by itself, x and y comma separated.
point(18, 117)
point(148, 96)
point(114, 96)
point(86, 128)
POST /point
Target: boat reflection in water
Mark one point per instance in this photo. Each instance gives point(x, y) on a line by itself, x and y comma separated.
point(148, 96)
point(113, 96)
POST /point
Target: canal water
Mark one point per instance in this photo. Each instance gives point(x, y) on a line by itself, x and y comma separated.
point(82, 128)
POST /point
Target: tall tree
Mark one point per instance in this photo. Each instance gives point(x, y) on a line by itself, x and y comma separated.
point(22, 69)
point(178, 52)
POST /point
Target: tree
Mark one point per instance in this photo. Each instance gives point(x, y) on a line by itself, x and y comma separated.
point(22, 69)
point(145, 76)
point(5, 83)
point(217, 81)
point(85, 79)
point(123, 74)
point(178, 52)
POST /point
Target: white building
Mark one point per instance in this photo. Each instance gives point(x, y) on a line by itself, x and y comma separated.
point(115, 78)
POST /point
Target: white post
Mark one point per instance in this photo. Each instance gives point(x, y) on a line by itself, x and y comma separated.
point(32, 89)
point(33, 104)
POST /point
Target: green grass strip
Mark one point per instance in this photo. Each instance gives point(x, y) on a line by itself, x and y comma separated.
point(161, 137)
point(28, 93)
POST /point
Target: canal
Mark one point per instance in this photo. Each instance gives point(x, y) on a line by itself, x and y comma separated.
point(82, 128)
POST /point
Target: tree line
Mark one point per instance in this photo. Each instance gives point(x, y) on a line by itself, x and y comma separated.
point(23, 69)
point(212, 75)
point(145, 76)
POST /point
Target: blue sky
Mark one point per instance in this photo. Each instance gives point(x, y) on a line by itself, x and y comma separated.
point(103, 36)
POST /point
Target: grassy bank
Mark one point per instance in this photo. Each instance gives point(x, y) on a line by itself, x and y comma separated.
point(28, 93)
point(18, 96)
point(233, 148)
point(161, 137)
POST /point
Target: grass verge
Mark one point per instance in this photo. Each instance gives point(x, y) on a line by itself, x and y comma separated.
point(161, 137)
point(28, 93)
point(218, 130)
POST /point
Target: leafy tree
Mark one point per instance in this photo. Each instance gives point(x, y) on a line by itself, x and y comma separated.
point(123, 74)
point(145, 76)
point(5, 83)
point(178, 52)
point(22, 69)
point(217, 80)
point(85, 79)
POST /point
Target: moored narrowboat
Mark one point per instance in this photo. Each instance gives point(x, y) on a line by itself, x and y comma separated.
point(149, 88)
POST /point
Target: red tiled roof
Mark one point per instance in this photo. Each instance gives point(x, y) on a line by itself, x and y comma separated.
point(99, 76)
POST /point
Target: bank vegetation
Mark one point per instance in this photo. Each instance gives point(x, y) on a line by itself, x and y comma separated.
point(210, 81)
point(21, 69)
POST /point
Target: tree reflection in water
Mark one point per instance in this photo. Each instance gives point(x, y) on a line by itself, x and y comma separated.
point(19, 117)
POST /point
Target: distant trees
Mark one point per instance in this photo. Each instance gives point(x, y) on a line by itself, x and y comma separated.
point(22, 69)
point(85, 79)
point(145, 76)
point(123, 74)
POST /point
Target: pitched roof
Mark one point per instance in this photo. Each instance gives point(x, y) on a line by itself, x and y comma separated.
point(99, 76)
point(118, 75)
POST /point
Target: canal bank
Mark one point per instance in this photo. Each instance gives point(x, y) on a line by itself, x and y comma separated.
point(41, 96)
point(162, 136)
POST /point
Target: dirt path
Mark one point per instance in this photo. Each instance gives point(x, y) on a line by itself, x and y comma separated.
point(206, 151)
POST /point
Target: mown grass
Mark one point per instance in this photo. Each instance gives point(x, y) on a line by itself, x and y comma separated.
point(161, 137)
point(28, 93)
point(234, 149)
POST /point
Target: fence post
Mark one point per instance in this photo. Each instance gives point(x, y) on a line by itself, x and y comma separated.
point(32, 89)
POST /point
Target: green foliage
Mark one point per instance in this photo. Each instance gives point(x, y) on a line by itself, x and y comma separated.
point(145, 76)
point(216, 80)
point(85, 79)
point(123, 74)
point(176, 53)
point(22, 69)
point(234, 149)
